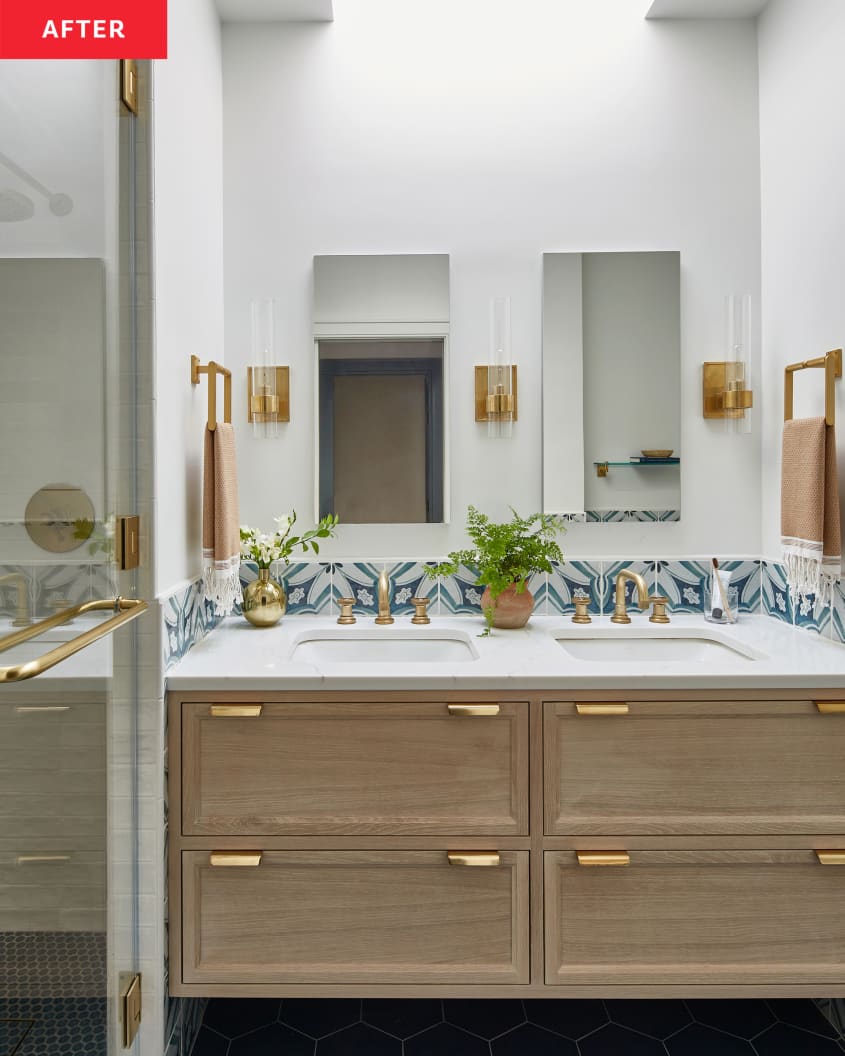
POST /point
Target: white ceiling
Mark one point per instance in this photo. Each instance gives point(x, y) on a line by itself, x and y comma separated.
point(275, 10)
point(705, 8)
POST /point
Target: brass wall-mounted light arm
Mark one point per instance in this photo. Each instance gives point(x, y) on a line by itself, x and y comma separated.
point(724, 390)
point(492, 400)
point(268, 394)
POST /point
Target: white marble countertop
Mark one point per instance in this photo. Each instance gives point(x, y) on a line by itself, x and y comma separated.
point(237, 656)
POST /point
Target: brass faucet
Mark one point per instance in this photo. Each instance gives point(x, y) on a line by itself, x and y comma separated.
point(383, 599)
point(620, 614)
point(22, 615)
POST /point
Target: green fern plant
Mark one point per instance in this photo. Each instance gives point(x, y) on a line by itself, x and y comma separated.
point(505, 553)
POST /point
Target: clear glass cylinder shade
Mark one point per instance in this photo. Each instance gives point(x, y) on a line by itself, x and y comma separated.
point(499, 374)
point(263, 397)
point(738, 383)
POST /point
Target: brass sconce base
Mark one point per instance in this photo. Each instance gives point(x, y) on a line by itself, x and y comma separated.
point(482, 382)
point(268, 394)
point(724, 391)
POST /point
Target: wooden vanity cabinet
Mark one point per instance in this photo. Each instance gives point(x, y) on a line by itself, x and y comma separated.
point(507, 844)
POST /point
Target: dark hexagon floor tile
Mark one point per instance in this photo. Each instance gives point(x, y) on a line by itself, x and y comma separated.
point(402, 1018)
point(487, 1019)
point(658, 1019)
point(571, 1018)
point(802, 1014)
point(530, 1039)
point(445, 1040)
point(209, 1043)
point(318, 1016)
point(620, 1042)
point(275, 1040)
point(359, 1040)
point(698, 1040)
point(785, 1040)
point(232, 1016)
point(743, 1017)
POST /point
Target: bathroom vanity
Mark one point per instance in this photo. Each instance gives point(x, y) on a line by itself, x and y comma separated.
point(518, 824)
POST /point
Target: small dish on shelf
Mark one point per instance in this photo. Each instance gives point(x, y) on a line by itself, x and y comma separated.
point(655, 453)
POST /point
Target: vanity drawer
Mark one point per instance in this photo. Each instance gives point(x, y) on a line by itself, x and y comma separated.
point(355, 768)
point(678, 767)
point(695, 917)
point(354, 917)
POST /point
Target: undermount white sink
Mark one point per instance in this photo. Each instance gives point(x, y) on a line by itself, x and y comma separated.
point(640, 645)
point(381, 645)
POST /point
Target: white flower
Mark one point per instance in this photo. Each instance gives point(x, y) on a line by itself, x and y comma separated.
point(402, 595)
point(781, 604)
point(691, 595)
point(296, 595)
point(806, 604)
point(579, 592)
point(282, 524)
point(473, 596)
point(365, 597)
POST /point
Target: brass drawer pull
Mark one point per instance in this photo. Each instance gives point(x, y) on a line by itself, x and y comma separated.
point(42, 859)
point(45, 709)
point(613, 707)
point(603, 858)
point(831, 707)
point(831, 857)
point(473, 857)
point(236, 711)
point(235, 858)
point(473, 709)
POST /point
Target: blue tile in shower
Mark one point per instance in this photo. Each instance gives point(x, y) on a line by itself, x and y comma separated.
point(445, 1040)
point(698, 1040)
point(402, 1018)
point(614, 1039)
point(273, 1040)
point(486, 1019)
point(571, 580)
point(570, 1018)
point(531, 1040)
point(785, 1040)
point(658, 1019)
point(776, 599)
point(308, 585)
point(745, 1018)
point(682, 582)
point(358, 1040)
point(610, 570)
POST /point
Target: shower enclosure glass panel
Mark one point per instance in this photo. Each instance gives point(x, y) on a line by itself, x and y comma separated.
point(68, 834)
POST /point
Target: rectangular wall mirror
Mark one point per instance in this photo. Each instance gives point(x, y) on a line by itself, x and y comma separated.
point(611, 385)
point(381, 327)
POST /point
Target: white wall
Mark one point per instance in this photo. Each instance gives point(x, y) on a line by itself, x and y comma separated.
point(493, 134)
point(802, 138)
point(188, 269)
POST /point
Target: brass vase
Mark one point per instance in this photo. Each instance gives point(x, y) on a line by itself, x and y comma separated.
point(264, 600)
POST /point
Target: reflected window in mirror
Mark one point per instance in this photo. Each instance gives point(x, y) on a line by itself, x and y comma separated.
point(611, 385)
point(381, 430)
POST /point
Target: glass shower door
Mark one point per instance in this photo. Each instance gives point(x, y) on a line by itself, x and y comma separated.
point(68, 874)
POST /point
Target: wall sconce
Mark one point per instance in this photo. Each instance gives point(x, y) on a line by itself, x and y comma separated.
point(495, 384)
point(267, 385)
point(727, 392)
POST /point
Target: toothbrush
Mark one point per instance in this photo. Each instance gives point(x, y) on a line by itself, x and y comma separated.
point(725, 606)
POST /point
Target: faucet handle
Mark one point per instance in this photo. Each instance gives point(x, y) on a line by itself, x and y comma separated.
point(346, 610)
point(420, 614)
point(658, 608)
point(582, 615)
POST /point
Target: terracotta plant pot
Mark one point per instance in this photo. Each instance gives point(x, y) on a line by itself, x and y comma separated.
point(511, 609)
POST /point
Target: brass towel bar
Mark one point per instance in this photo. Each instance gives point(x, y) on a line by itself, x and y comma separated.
point(124, 609)
point(212, 369)
point(832, 363)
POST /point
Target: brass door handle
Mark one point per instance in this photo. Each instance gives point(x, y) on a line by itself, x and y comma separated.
point(612, 707)
point(831, 857)
point(473, 709)
point(603, 858)
point(236, 711)
point(473, 858)
point(831, 707)
point(242, 859)
point(125, 609)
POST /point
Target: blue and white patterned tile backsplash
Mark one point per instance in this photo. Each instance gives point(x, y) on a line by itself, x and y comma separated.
point(314, 587)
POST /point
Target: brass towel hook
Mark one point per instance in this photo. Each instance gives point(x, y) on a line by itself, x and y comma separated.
point(832, 363)
point(212, 370)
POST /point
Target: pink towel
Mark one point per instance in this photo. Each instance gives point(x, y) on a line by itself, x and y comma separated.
point(221, 533)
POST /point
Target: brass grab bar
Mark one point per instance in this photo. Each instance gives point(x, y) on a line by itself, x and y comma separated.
point(212, 370)
point(125, 609)
point(832, 363)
